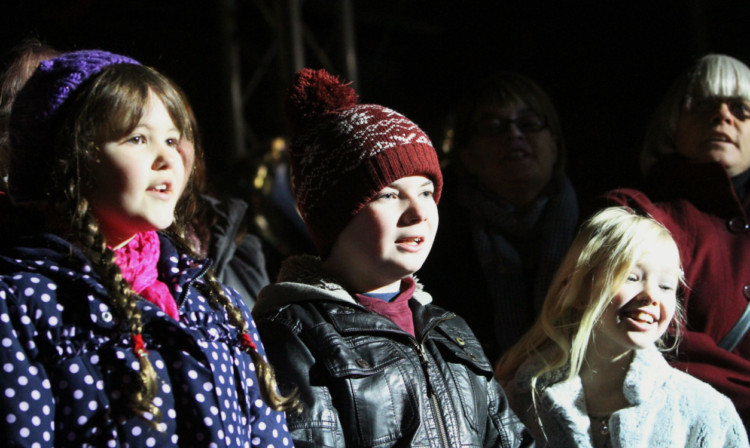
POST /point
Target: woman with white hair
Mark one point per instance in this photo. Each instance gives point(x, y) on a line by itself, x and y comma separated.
point(697, 165)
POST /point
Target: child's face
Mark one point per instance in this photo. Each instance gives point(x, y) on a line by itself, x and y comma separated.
point(643, 307)
point(388, 239)
point(139, 178)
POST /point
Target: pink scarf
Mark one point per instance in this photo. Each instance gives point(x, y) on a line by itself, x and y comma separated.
point(137, 261)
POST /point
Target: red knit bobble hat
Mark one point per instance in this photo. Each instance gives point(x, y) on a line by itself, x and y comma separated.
point(343, 153)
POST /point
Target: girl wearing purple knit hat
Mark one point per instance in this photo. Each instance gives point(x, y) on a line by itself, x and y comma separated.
point(113, 332)
point(376, 364)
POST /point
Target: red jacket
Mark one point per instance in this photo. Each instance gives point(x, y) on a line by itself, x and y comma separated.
point(697, 203)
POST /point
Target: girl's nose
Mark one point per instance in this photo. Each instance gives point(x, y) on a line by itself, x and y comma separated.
point(649, 294)
point(166, 156)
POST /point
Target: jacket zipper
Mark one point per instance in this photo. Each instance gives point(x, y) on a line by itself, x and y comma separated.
point(434, 405)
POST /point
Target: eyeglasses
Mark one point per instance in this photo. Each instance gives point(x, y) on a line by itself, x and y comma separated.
point(528, 124)
point(737, 106)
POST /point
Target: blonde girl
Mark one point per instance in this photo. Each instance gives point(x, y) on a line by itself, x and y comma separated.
point(114, 333)
point(590, 372)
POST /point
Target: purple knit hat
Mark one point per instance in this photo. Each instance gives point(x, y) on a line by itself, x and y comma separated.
point(343, 153)
point(34, 116)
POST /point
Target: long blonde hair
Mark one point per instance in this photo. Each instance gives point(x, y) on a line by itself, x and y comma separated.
point(603, 253)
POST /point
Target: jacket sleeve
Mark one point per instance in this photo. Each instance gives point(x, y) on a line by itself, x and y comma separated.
point(27, 405)
point(268, 426)
point(318, 424)
point(504, 428)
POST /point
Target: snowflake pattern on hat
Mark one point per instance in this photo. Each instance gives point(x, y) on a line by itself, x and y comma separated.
point(343, 153)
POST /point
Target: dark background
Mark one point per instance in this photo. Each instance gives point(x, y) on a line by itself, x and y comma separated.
point(606, 64)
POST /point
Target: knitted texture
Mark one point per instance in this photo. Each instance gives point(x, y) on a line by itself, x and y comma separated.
point(343, 153)
point(138, 262)
point(34, 116)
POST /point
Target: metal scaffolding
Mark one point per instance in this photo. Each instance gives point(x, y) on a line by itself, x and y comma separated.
point(294, 45)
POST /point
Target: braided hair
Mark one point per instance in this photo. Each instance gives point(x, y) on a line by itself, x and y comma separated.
point(106, 107)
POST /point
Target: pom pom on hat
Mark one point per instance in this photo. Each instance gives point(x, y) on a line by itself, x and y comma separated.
point(34, 115)
point(314, 93)
point(343, 153)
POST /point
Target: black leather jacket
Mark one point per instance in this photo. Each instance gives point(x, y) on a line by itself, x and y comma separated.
point(365, 382)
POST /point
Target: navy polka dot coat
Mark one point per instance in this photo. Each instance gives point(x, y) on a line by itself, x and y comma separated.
point(67, 367)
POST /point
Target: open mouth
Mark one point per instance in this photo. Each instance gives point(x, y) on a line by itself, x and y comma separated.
point(411, 241)
point(517, 154)
point(163, 187)
point(720, 138)
point(640, 316)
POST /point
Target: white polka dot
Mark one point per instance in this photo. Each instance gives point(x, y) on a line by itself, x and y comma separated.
point(207, 421)
point(78, 394)
point(200, 398)
point(10, 418)
point(24, 432)
point(193, 374)
point(93, 405)
point(36, 421)
point(207, 386)
point(136, 431)
point(10, 393)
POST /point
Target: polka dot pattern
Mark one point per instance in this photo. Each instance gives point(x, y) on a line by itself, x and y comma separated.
point(66, 370)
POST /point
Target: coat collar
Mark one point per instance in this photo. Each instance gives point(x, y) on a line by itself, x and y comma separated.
point(565, 419)
point(303, 275)
point(706, 185)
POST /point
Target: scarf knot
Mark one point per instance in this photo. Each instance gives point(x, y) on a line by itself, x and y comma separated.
point(138, 262)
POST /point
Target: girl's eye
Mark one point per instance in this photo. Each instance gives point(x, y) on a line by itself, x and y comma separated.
point(666, 287)
point(172, 142)
point(428, 193)
point(632, 277)
point(137, 139)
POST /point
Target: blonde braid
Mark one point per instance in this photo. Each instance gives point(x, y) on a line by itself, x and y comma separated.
point(214, 292)
point(268, 386)
point(125, 303)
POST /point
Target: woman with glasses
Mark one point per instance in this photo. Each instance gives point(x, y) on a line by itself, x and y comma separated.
point(696, 160)
point(508, 212)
